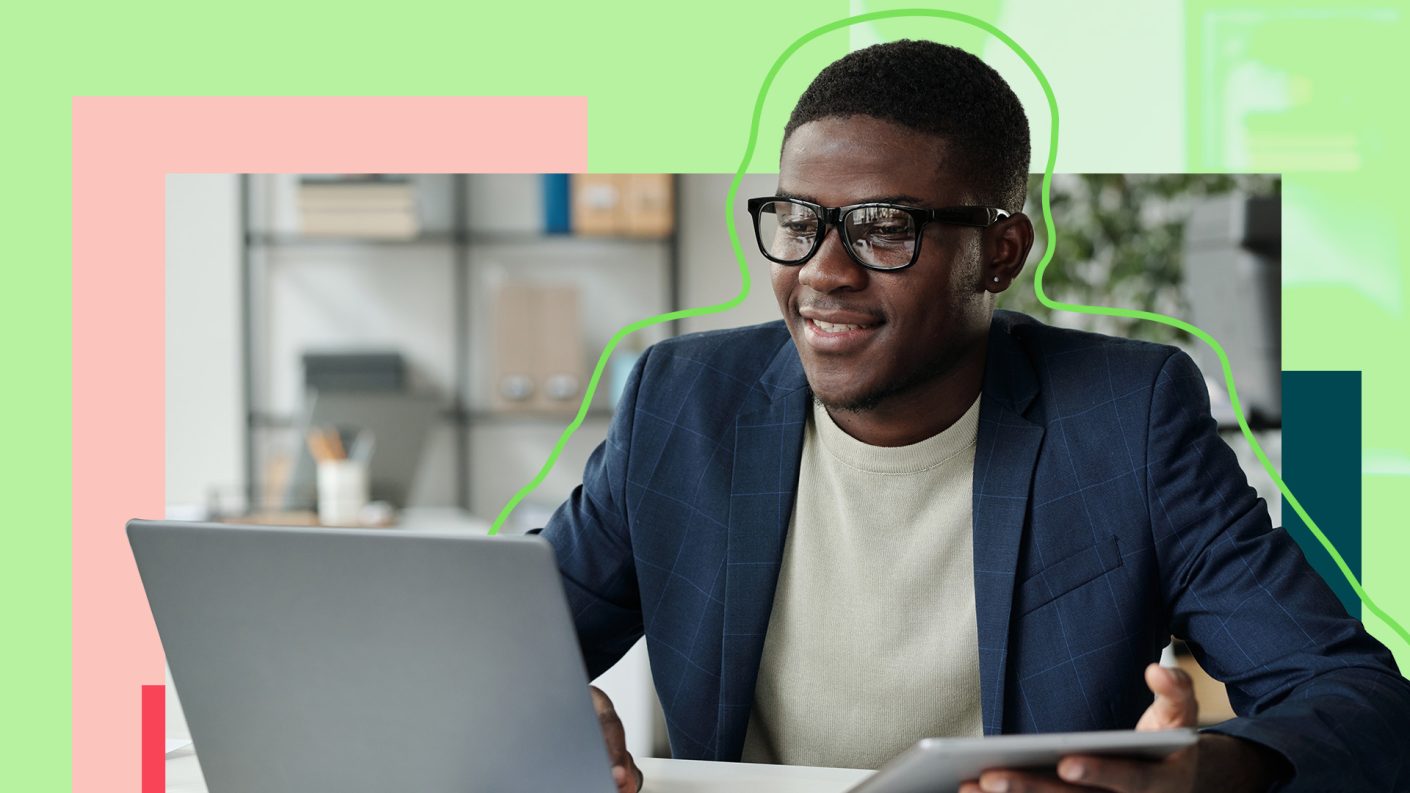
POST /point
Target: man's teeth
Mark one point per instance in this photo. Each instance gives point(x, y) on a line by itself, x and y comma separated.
point(829, 327)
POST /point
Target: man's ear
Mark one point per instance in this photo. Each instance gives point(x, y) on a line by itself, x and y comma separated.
point(1006, 246)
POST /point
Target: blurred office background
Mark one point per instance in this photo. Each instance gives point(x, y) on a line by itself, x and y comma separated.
point(408, 306)
point(1204, 248)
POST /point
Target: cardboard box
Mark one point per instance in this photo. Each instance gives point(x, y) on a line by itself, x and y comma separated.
point(513, 377)
point(649, 205)
point(597, 203)
point(538, 349)
point(559, 336)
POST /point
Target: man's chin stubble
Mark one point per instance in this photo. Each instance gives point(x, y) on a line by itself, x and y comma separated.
point(859, 405)
point(866, 403)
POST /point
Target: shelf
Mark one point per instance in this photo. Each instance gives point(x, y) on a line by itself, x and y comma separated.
point(264, 250)
point(284, 239)
point(450, 416)
point(528, 237)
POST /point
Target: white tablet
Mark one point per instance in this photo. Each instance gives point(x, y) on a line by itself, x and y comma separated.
point(941, 764)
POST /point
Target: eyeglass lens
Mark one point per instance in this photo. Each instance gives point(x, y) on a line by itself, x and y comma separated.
point(878, 236)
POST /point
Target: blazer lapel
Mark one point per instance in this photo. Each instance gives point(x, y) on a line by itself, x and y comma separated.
point(1005, 453)
point(768, 448)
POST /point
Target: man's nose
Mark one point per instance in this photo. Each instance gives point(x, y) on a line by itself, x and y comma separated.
point(831, 269)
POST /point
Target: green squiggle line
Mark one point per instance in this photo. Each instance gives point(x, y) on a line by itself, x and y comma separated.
point(1037, 285)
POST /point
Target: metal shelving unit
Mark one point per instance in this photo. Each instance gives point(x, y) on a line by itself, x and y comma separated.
point(460, 239)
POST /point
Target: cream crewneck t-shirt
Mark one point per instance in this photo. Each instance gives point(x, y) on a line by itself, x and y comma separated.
point(873, 642)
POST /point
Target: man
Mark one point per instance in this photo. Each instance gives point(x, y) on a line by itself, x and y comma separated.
point(898, 513)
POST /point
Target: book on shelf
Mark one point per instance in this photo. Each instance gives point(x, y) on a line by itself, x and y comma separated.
point(557, 203)
point(370, 225)
point(379, 206)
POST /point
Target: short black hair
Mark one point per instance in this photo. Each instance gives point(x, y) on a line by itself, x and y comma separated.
point(937, 89)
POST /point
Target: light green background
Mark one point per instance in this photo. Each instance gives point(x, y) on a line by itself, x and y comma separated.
point(1308, 89)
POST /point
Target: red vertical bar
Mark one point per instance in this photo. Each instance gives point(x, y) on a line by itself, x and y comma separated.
point(153, 739)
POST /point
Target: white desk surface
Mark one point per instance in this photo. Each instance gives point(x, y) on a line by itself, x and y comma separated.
point(183, 775)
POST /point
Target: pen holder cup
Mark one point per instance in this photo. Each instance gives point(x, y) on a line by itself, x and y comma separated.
point(342, 491)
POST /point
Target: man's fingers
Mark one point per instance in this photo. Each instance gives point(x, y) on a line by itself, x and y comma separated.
point(1005, 781)
point(1170, 682)
point(627, 777)
point(1085, 773)
point(1175, 772)
point(1174, 705)
point(624, 771)
point(615, 737)
point(600, 702)
point(630, 779)
point(1120, 776)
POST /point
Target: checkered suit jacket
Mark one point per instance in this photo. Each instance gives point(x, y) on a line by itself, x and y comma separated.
point(1108, 515)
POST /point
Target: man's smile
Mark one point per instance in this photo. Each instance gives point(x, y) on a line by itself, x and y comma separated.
point(838, 331)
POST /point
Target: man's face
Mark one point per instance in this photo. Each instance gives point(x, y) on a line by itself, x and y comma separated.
point(909, 327)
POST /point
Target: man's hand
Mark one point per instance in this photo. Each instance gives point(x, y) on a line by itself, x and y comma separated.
point(1216, 762)
point(624, 770)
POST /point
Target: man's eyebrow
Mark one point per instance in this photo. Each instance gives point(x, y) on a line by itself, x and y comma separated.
point(900, 198)
point(781, 193)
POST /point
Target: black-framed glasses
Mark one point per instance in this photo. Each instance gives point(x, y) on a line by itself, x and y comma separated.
point(877, 236)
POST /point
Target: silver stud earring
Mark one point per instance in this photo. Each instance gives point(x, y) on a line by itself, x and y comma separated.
point(996, 279)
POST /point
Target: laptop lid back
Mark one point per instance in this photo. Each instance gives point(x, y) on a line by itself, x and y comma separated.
point(312, 660)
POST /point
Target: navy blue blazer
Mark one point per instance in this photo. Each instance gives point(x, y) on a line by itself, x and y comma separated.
point(1108, 515)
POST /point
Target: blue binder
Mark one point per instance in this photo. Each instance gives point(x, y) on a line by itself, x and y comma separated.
point(557, 197)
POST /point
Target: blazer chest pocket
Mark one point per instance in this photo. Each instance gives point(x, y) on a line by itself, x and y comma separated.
point(1068, 573)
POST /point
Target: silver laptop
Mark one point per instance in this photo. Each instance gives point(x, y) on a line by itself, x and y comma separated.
point(313, 660)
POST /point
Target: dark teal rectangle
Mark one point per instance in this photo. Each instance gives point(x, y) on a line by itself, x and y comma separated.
point(1322, 468)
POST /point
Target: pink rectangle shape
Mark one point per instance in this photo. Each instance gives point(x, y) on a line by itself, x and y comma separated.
point(123, 148)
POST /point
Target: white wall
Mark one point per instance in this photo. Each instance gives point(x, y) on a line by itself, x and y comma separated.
point(205, 448)
point(710, 272)
point(204, 428)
